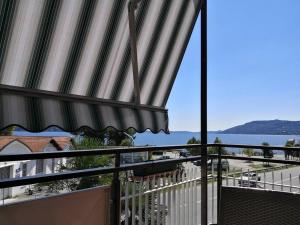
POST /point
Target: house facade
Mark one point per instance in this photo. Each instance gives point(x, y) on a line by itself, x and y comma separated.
point(21, 145)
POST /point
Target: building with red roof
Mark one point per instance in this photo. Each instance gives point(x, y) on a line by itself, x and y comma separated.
point(29, 144)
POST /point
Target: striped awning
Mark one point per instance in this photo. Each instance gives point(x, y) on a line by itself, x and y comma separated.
point(68, 63)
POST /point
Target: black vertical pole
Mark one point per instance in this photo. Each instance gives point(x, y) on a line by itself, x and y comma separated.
point(116, 197)
point(204, 112)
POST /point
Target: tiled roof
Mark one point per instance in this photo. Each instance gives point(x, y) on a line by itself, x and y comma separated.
point(36, 144)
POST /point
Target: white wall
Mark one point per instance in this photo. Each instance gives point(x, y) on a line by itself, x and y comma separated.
point(48, 162)
point(17, 147)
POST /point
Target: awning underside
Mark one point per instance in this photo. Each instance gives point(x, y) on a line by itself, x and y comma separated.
point(83, 48)
point(70, 114)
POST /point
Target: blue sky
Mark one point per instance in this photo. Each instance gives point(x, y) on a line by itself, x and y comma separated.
point(253, 66)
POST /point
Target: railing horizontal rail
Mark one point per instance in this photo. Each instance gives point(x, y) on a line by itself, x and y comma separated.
point(105, 151)
point(6, 183)
point(281, 161)
point(98, 171)
point(111, 151)
point(262, 147)
point(262, 182)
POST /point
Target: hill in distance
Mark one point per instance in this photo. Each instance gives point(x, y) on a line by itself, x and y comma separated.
point(273, 127)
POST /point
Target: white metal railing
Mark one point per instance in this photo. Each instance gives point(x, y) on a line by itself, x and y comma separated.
point(287, 180)
point(174, 199)
point(164, 199)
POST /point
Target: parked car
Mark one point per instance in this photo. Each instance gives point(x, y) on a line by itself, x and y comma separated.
point(197, 163)
point(164, 157)
point(249, 179)
point(184, 153)
point(224, 163)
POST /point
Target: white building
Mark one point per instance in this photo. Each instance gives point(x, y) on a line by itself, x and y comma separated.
point(21, 145)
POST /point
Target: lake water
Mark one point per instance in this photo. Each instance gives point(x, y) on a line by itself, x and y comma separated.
point(178, 138)
point(181, 137)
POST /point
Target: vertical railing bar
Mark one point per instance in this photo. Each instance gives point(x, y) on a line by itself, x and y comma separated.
point(164, 201)
point(169, 200)
point(272, 180)
point(234, 177)
point(158, 200)
point(116, 190)
point(264, 180)
point(200, 198)
point(281, 177)
point(195, 197)
point(179, 196)
point(147, 201)
point(133, 203)
point(241, 178)
point(299, 183)
point(126, 202)
point(140, 201)
point(219, 184)
point(174, 197)
point(182, 193)
point(248, 178)
point(152, 199)
point(291, 188)
point(189, 196)
point(3, 190)
point(227, 172)
point(213, 194)
point(177, 202)
point(179, 187)
point(256, 178)
point(186, 199)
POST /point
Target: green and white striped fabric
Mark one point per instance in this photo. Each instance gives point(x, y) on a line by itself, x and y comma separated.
point(81, 48)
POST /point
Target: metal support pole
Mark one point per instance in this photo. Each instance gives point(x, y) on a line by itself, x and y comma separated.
point(132, 30)
point(204, 112)
point(116, 197)
point(219, 184)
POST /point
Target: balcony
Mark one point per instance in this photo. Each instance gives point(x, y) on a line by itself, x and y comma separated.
point(167, 197)
point(75, 65)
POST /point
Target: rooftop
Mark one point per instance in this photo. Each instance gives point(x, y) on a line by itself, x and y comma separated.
point(36, 144)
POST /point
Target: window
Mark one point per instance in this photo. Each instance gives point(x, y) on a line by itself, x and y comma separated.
point(39, 166)
point(24, 170)
point(5, 172)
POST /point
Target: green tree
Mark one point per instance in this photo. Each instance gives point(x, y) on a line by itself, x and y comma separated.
point(81, 163)
point(110, 136)
point(8, 131)
point(126, 142)
point(267, 153)
point(115, 138)
point(194, 151)
point(88, 162)
point(248, 152)
point(214, 150)
point(289, 144)
point(297, 153)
